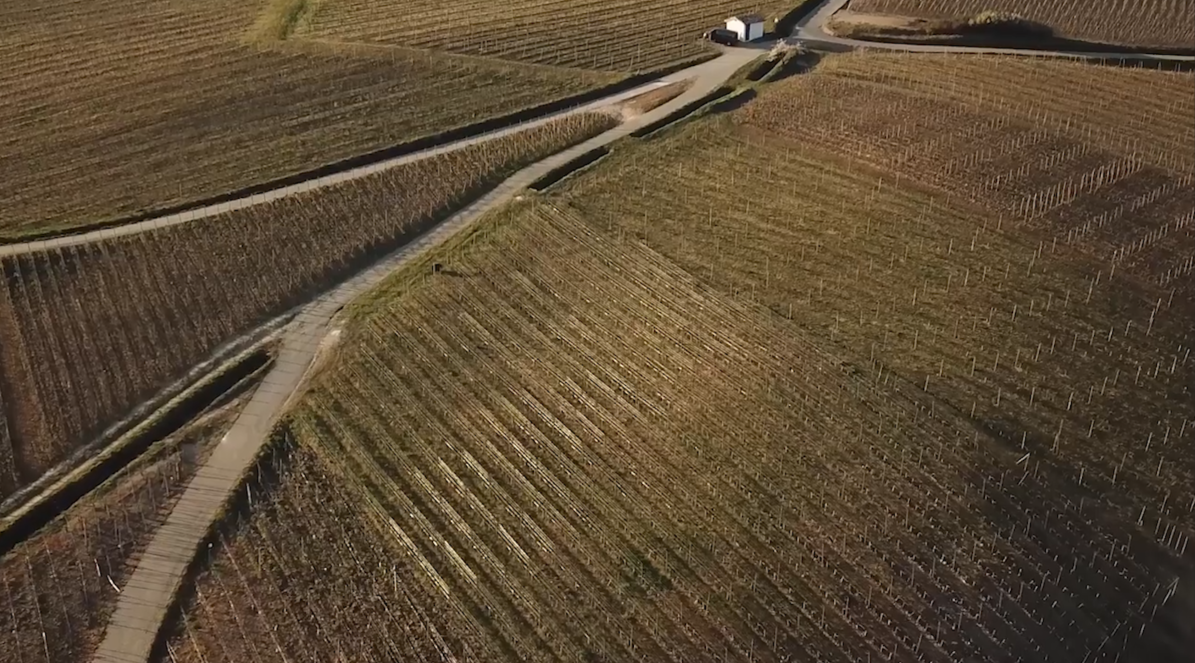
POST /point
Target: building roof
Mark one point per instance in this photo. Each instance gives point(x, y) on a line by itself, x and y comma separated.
point(747, 18)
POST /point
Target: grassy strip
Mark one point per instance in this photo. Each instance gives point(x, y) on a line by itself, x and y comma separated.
point(366, 159)
point(655, 98)
point(281, 19)
point(214, 391)
point(455, 249)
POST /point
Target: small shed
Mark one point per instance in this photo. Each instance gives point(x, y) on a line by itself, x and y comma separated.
point(748, 27)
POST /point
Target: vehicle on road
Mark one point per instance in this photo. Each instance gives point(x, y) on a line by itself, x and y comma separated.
point(722, 36)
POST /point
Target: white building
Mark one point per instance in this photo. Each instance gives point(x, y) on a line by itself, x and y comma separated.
point(748, 27)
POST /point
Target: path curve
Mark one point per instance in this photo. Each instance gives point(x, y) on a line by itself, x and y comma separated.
point(811, 30)
point(158, 222)
point(145, 599)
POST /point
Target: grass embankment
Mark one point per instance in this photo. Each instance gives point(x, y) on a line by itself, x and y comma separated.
point(739, 388)
point(281, 19)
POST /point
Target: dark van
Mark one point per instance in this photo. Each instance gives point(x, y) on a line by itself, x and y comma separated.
point(722, 36)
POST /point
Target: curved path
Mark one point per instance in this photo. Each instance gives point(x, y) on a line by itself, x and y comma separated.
point(145, 599)
point(811, 31)
point(175, 219)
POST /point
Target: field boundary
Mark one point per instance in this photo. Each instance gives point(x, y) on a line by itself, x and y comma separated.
point(680, 114)
point(220, 359)
point(217, 362)
point(432, 141)
point(574, 165)
point(272, 455)
point(214, 390)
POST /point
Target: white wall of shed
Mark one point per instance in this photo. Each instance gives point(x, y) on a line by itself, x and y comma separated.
point(736, 26)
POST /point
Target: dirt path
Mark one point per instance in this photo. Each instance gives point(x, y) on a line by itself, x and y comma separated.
point(145, 599)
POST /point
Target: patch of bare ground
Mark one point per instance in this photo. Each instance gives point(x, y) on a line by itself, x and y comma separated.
point(848, 23)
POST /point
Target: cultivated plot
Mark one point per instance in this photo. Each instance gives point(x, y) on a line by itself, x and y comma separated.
point(758, 389)
point(89, 332)
point(118, 108)
point(609, 35)
point(60, 586)
point(570, 430)
point(1098, 158)
point(1157, 23)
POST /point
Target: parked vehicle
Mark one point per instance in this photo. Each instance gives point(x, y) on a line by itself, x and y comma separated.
point(722, 36)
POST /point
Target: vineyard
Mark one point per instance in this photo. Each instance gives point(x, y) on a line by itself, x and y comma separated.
point(761, 389)
point(115, 108)
point(1100, 159)
point(605, 35)
point(59, 587)
point(89, 332)
point(1158, 23)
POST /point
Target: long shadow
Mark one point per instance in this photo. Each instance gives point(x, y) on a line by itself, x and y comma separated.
point(733, 102)
point(169, 422)
point(573, 165)
point(796, 65)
